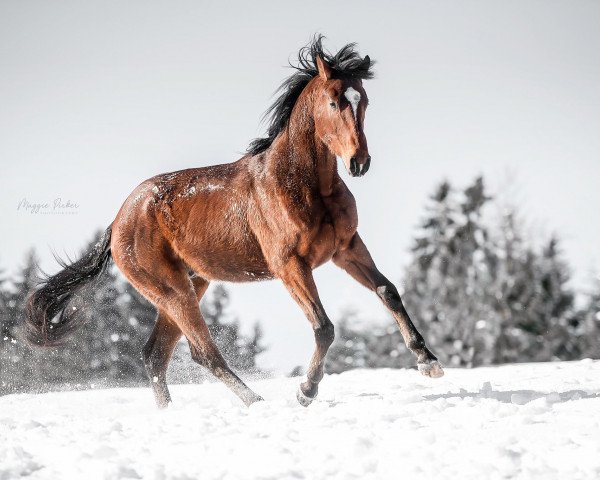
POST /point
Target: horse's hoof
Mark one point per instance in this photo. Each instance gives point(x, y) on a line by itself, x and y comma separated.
point(252, 399)
point(303, 399)
point(431, 369)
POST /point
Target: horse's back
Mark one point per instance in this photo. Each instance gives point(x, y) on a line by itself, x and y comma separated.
point(202, 215)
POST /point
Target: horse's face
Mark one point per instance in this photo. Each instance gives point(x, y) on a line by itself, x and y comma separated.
point(339, 114)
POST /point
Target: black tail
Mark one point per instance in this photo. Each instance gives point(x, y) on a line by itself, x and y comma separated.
point(46, 319)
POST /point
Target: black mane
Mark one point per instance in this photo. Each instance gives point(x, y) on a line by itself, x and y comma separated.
point(346, 63)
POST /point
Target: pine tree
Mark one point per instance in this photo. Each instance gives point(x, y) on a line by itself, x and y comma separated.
point(447, 286)
point(4, 298)
point(5, 334)
point(349, 349)
point(26, 280)
point(15, 358)
point(588, 328)
point(515, 292)
point(238, 350)
point(427, 285)
point(108, 347)
point(550, 322)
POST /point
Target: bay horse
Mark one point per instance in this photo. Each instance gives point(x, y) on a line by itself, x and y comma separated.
point(280, 211)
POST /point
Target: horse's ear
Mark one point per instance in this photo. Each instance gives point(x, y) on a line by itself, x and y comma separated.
point(323, 68)
point(366, 62)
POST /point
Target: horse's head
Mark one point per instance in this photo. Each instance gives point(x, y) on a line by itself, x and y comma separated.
point(328, 88)
point(339, 113)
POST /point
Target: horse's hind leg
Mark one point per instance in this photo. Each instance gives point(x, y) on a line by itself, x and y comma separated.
point(160, 346)
point(157, 353)
point(207, 354)
point(163, 279)
point(183, 308)
point(298, 279)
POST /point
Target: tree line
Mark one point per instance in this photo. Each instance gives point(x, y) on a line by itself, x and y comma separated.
point(480, 290)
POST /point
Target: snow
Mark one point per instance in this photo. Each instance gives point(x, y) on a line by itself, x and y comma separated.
point(517, 421)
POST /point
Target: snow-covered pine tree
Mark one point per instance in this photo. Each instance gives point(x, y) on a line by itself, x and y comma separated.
point(15, 358)
point(425, 285)
point(4, 297)
point(514, 288)
point(239, 350)
point(110, 343)
point(475, 260)
point(550, 323)
point(589, 326)
point(349, 349)
point(5, 333)
point(447, 282)
point(26, 279)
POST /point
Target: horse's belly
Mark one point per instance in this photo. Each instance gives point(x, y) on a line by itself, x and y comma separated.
point(223, 256)
point(228, 265)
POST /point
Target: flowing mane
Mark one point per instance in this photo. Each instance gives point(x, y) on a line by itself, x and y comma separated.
point(346, 63)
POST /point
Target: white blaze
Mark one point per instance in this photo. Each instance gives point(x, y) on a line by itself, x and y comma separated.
point(354, 98)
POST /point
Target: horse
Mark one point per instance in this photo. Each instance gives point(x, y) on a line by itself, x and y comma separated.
point(278, 212)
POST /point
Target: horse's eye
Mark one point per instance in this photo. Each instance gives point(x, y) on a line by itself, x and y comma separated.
point(333, 105)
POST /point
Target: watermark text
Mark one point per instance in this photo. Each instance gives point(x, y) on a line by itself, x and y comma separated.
point(57, 206)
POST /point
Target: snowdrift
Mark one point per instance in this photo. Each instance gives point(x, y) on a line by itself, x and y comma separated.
point(525, 421)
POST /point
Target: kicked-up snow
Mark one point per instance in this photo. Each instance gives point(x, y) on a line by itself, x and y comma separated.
point(519, 421)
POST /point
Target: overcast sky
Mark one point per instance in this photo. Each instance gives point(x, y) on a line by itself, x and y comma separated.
point(97, 96)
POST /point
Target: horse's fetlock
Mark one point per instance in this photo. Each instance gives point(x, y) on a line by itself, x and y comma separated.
point(309, 388)
point(416, 345)
point(315, 376)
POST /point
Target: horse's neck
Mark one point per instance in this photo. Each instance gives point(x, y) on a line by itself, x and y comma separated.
point(301, 156)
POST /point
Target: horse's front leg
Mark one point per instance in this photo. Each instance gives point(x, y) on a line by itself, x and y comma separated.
point(297, 277)
point(356, 260)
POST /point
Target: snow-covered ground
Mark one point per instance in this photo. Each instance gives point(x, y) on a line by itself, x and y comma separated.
point(519, 421)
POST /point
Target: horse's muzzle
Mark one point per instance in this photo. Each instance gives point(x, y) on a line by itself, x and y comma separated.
point(359, 169)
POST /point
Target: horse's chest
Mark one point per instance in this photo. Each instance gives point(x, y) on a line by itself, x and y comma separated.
point(335, 229)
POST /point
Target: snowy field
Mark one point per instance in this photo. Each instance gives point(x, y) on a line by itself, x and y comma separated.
point(520, 421)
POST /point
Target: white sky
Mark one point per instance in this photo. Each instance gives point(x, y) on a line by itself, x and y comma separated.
point(97, 96)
